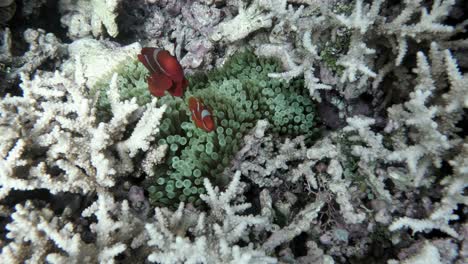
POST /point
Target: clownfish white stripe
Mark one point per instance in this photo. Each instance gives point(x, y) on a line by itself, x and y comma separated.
point(155, 58)
point(149, 63)
point(205, 113)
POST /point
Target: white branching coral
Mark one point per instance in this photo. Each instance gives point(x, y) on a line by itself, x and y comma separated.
point(362, 17)
point(42, 47)
point(428, 119)
point(249, 19)
point(432, 142)
point(216, 232)
point(269, 168)
point(428, 123)
point(354, 62)
point(300, 223)
point(115, 228)
point(63, 128)
point(456, 98)
point(24, 218)
point(292, 68)
point(38, 236)
point(368, 146)
point(359, 21)
point(428, 25)
point(428, 254)
point(444, 211)
point(346, 37)
point(83, 17)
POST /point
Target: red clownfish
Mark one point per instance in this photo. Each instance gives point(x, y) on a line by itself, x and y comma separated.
point(201, 114)
point(166, 74)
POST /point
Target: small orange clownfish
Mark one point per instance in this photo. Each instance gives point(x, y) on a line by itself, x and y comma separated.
point(166, 73)
point(201, 114)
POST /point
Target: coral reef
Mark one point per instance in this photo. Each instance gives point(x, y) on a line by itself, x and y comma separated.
point(340, 132)
point(239, 94)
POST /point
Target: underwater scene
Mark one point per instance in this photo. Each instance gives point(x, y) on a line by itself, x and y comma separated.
point(234, 131)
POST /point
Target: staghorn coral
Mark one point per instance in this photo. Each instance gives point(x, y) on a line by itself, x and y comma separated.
point(384, 181)
point(83, 163)
point(55, 240)
point(358, 157)
point(85, 17)
point(303, 41)
point(42, 47)
point(118, 232)
point(216, 232)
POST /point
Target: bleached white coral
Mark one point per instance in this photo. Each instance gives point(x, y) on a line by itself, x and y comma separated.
point(83, 17)
point(355, 180)
point(292, 68)
point(37, 235)
point(360, 30)
point(432, 143)
point(362, 16)
point(43, 46)
point(428, 254)
point(428, 25)
point(249, 19)
point(154, 156)
point(300, 223)
point(64, 129)
point(444, 212)
point(216, 232)
point(115, 228)
point(354, 61)
point(456, 98)
point(368, 146)
point(359, 21)
point(99, 59)
point(269, 168)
